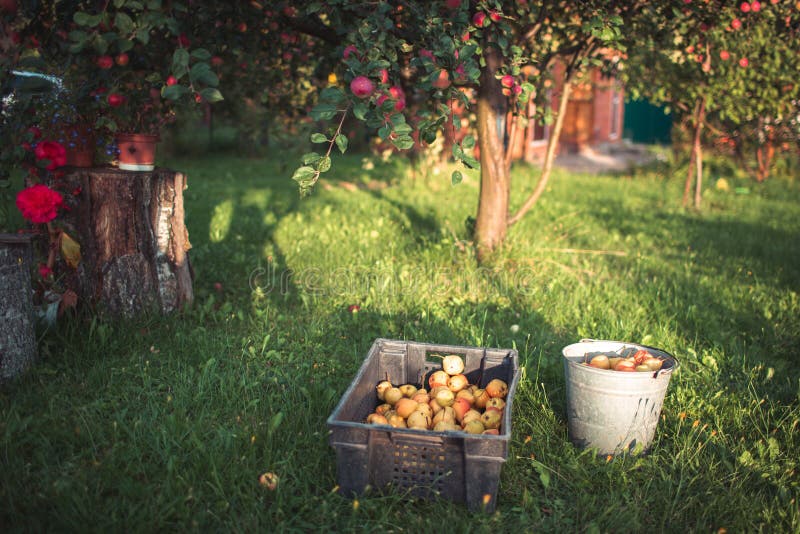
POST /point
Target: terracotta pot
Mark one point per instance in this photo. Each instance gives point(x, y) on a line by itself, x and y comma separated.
point(137, 152)
point(79, 140)
point(80, 157)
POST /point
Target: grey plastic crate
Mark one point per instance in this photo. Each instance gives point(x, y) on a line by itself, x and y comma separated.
point(453, 465)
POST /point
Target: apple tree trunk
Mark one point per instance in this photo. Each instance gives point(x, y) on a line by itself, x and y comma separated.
point(133, 241)
point(491, 224)
point(17, 334)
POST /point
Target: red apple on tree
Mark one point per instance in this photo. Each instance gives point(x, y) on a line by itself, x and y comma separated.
point(115, 100)
point(362, 87)
point(122, 59)
point(105, 62)
point(442, 81)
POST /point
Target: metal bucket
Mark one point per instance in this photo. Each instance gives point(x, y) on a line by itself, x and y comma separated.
point(613, 411)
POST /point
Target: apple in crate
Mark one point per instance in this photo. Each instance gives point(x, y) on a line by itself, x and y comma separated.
point(408, 390)
point(382, 388)
point(453, 364)
point(457, 382)
point(405, 407)
point(438, 378)
point(497, 388)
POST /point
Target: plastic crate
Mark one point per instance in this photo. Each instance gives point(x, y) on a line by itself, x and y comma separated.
point(457, 466)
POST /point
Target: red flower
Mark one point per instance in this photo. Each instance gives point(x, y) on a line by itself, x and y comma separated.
point(353, 308)
point(52, 151)
point(39, 204)
point(44, 270)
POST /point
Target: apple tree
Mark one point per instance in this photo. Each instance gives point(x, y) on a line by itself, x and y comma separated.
point(437, 48)
point(719, 63)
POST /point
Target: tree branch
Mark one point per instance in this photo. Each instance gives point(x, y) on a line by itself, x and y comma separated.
point(314, 27)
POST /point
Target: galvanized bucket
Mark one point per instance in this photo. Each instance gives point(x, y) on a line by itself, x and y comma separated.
point(613, 411)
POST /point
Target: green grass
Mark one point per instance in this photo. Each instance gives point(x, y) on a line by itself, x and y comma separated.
point(167, 423)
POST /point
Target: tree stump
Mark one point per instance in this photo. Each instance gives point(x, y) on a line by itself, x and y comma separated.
point(17, 335)
point(130, 228)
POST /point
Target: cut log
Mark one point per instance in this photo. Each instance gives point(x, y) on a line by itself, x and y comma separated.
point(134, 244)
point(18, 334)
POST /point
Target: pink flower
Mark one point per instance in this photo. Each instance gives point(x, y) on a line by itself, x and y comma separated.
point(39, 204)
point(52, 151)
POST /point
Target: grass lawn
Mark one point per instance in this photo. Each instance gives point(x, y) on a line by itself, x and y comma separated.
point(167, 423)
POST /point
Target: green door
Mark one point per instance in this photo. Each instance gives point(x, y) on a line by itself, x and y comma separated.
point(646, 123)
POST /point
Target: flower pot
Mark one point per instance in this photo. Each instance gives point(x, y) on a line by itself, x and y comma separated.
point(79, 141)
point(17, 336)
point(137, 152)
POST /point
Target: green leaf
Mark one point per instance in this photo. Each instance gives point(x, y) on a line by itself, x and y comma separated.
point(77, 36)
point(341, 142)
point(100, 44)
point(323, 112)
point(318, 138)
point(180, 61)
point(201, 54)
point(304, 174)
point(403, 129)
point(324, 164)
point(384, 132)
point(202, 73)
point(470, 162)
point(211, 95)
point(360, 111)
point(468, 142)
point(456, 178)
point(332, 95)
point(310, 158)
point(403, 142)
point(123, 22)
point(143, 35)
point(84, 19)
point(174, 92)
point(124, 45)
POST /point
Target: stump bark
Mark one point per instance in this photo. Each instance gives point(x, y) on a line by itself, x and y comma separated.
point(134, 244)
point(17, 334)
